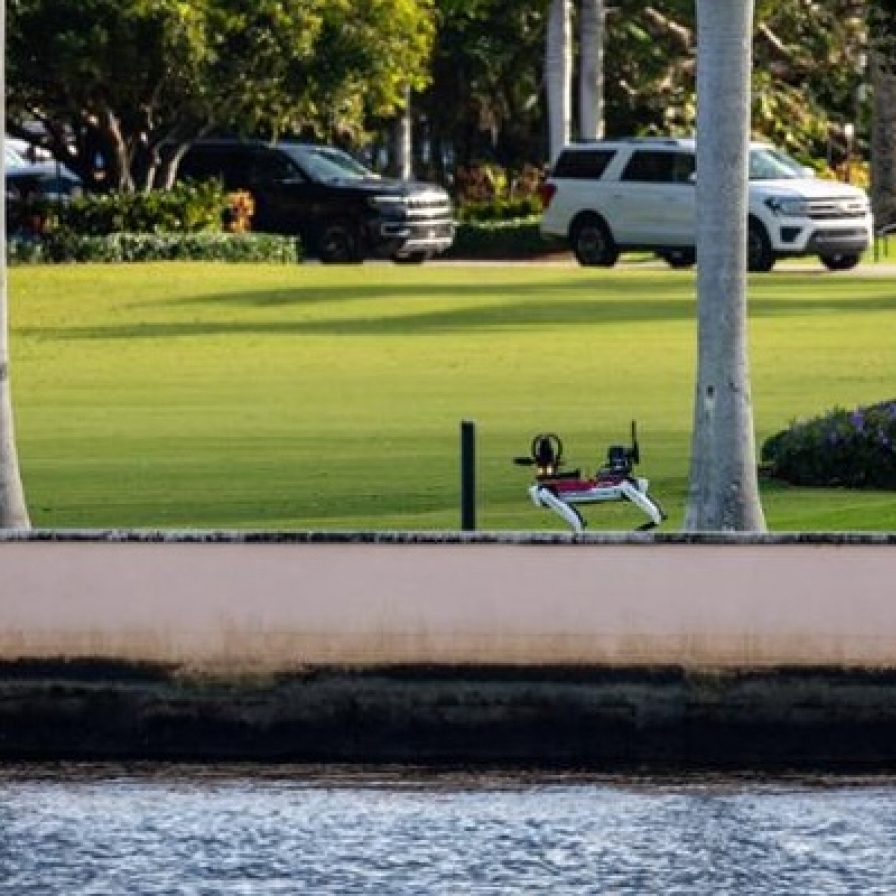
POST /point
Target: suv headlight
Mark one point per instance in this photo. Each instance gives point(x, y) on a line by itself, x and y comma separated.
point(788, 207)
point(389, 205)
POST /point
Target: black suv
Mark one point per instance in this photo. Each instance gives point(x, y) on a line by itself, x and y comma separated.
point(341, 211)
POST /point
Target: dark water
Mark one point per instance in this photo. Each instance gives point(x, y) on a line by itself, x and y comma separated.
point(93, 831)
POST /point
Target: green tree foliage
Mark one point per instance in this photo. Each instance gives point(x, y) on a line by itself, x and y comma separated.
point(484, 101)
point(487, 95)
point(118, 80)
point(810, 63)
point(807, 66)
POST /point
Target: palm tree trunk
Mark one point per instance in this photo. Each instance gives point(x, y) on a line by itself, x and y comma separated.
point(591, 70)
point(883, 139)
point(724, 487)
point(558, 76)
point(13, 512)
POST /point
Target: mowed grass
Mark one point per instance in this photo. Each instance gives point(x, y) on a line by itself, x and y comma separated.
point(331, 398)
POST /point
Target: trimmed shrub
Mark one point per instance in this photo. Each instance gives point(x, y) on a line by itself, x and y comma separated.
point(25, 250)
point(126, 247)
point(855, 449)
point(495, 240)
point(501, 209)
point(186, 208)
point(487, 182)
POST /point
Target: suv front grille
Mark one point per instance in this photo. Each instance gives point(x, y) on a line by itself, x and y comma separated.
point(430, 205)
point(830, 209)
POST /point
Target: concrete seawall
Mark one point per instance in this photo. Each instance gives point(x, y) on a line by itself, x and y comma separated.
point(450, 648)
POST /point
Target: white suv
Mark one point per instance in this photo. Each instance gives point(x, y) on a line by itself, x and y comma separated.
point(607, 197)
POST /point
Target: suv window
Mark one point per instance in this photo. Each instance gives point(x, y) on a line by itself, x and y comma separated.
point(326, 164)
point(584, 164)
point(270, 168)
point(770, 164)
point(659, 167)
point(237, 168)
point(207, 163)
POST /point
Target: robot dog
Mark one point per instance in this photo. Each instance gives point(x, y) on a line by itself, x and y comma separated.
point(561, 490)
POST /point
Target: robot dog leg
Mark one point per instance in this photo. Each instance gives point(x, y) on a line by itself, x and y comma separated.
point(542, 496)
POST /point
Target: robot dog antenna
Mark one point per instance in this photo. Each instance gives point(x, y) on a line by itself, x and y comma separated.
point(635, 451)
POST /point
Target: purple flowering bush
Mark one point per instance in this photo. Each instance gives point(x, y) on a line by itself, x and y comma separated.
point(849, 448)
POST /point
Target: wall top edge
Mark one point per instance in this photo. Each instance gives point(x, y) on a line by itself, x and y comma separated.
point(216, 536)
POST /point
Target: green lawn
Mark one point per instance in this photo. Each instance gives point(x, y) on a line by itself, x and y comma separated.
point(309, 397)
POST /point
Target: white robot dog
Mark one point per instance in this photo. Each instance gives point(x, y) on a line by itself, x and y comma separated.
point(561, 490)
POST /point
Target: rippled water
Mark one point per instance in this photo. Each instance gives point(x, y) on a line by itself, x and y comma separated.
point(92, 831)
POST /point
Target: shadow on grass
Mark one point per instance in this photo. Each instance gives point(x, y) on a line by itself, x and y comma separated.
point(498, 305)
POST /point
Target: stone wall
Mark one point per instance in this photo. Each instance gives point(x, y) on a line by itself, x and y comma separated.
point(450, 649)
point(280, 601)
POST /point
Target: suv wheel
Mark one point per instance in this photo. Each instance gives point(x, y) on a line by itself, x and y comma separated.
point(338, 243)
point(840, 262)
point(592, 243)
point(679, 258)
point(760, 257)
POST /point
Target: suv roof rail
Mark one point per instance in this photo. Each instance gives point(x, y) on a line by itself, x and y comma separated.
point(625, 141)
point(662, 141)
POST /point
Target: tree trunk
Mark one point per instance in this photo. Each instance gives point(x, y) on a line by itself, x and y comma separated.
point(403, 141)
point(558, 76)
point(883, 140)
point(591, 70)
point(13, 511)
point(724, 487)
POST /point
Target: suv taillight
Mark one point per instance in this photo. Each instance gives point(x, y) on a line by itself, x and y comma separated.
point(546, 194)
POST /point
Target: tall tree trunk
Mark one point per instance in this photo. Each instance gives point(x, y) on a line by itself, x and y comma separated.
point(402, 141)
point(724, 487)
point(13, 511)
point(591, 69)
point(558, 76)
point(883, 139)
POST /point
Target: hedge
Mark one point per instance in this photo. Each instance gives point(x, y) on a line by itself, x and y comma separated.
point(852, 448)
point(514, 239)
point(127, 247)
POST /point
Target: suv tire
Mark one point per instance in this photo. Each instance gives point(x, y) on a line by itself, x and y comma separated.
point(338, 243)
point(840, 262)
point(760, 257)
point(679, 259)
point(592, 243)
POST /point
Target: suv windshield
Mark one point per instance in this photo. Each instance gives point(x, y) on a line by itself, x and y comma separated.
point(324, 164)
point(772, 164)
point(13, 157)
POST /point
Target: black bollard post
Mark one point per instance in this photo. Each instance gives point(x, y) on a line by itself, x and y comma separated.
point(467, 475)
